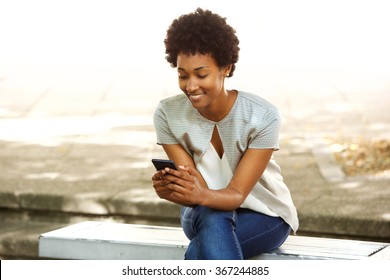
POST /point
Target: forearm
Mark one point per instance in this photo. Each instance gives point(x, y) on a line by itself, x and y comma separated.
point(244, 179)
point(227, 199)
point(224, 200)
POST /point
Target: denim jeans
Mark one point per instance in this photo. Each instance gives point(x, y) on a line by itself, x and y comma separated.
point(230, 235)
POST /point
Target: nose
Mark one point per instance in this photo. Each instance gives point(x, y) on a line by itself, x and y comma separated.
point(192, 85)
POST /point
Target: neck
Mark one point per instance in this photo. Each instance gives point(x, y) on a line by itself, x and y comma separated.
point(221, 108)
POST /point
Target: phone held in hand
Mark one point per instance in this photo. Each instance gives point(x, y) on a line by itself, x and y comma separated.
point(160, 164)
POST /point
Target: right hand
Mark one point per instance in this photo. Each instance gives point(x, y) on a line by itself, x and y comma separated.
point(160, 184)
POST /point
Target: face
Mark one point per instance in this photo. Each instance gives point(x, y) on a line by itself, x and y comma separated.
point(202, 81)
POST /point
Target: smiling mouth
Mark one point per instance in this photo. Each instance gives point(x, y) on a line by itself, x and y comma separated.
point(194, 97)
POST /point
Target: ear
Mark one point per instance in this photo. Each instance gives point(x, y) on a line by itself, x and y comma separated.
point(227, 70)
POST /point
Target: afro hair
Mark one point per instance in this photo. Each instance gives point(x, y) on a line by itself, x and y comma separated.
point(202, 32)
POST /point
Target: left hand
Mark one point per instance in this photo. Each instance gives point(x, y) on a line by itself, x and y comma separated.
point(186, 185)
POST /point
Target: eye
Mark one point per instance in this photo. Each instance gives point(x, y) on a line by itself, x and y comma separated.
point(202, 76)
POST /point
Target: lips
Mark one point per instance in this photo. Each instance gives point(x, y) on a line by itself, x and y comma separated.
point(194, 97)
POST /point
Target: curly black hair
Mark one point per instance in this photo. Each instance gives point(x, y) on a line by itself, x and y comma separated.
point(202, 32)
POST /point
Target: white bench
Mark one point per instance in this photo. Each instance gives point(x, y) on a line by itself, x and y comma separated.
point(93, 240)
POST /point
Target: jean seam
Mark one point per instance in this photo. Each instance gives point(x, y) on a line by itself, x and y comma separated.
point(265, 232)
point(235, 238)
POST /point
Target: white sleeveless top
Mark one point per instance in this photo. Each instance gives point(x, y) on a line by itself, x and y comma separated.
point(217, 174)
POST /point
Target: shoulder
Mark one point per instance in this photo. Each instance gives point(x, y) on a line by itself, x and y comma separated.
point(172, 104)
point(255, 100)
point(176, 111)
point(255, 105)
point(175, 100)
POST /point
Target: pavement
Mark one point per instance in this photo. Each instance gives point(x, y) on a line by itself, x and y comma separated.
point(82, 151)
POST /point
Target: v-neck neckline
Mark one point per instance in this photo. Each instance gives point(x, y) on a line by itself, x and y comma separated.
point(216, 153)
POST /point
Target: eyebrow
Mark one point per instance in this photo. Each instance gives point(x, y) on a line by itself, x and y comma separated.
point(196, 69)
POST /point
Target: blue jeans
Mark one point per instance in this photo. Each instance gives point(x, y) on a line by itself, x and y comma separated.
point(230, 235)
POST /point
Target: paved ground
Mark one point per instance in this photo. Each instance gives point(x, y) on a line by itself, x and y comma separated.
point(77, 151)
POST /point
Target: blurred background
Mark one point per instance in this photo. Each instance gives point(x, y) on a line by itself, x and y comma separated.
point(294, 45)
point(79, 81)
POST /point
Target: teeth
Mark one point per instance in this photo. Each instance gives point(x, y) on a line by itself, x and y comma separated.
point(195, 97)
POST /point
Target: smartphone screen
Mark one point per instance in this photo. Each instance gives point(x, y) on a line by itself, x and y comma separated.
point(160, 164)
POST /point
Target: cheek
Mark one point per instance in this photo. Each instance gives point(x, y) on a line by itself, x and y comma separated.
point(210, 84)
point(218, 83)
point(182, 85)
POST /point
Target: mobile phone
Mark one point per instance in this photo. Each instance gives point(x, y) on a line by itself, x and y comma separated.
point(160, 164)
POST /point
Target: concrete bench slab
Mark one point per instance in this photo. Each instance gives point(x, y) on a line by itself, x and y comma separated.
point(92, 240)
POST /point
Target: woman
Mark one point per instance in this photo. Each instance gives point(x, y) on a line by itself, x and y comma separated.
point(235, 204)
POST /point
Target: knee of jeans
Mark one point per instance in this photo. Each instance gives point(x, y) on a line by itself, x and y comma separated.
point(208, 216)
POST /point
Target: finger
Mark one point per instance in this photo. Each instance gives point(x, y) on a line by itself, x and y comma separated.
point(189, 169)
point(156, 176)
point(180, 189)
point(182, 197)
point(162, 190)
point(160, 183)
point(177, 173)
point(176, 181)
point(159, 175)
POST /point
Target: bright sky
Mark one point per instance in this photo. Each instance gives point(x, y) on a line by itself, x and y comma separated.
point(295, 41)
